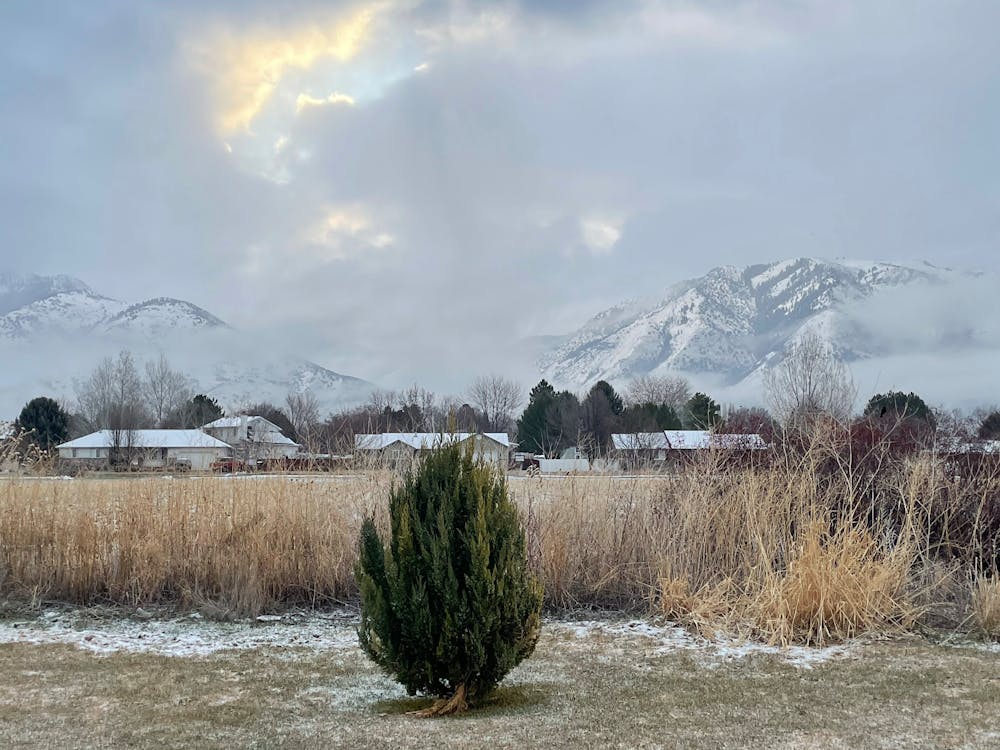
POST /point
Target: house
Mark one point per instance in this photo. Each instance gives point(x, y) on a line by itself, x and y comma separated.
point(640, 448)
point(399, 448)
point(967, 458)
point(673, 446)
point(189, 449)
point(702, 440)
point(252, 438)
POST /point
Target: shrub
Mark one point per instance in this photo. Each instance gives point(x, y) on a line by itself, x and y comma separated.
point(837, 586)
point(986, 606)
point(450, 607)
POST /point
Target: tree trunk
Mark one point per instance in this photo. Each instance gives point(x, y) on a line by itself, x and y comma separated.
point(456, 704)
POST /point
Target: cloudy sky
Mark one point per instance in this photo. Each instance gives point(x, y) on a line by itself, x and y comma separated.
point(385, 179)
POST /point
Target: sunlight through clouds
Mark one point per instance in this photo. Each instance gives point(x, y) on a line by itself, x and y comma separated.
point(344, 230)
point(305, 101)
point(249, 68)
point(600, 235)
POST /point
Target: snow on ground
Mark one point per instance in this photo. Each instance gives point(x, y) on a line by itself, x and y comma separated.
point(192, 636)
point(185, 636)
point(670, 637)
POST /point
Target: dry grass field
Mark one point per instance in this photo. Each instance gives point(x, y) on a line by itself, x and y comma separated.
point(785, 553)
point(783, 606)
point(75, 681)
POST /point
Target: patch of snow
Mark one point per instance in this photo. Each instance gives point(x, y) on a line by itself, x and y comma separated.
point(183, 637)
point(772, 272)
point(990, 647)
point(670, 638)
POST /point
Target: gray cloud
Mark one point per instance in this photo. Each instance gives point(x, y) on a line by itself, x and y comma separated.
point(548, 159)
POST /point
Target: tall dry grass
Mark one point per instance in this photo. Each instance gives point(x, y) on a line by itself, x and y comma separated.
point(986, 606)
point(238, 546)
point(801, 549)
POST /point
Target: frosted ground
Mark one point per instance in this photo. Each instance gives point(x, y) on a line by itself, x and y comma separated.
point(78, 678)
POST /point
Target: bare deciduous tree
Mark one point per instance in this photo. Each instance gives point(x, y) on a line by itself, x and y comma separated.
point(672, 390)
point(303, 412)
point(166, 389)
point(498, 400)
point(422, 405)
point(111, 399)
point(809, 381)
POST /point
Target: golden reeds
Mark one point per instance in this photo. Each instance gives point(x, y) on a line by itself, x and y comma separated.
point(986, 606)
point(240, 545)
point(787, 551)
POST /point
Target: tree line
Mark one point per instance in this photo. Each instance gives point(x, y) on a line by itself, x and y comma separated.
point(123, 395)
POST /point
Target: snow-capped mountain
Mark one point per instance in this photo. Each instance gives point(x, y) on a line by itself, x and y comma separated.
point(53, 330)
point(17, 291)
point(42, 305)
point(158, 316)
point(733, 320)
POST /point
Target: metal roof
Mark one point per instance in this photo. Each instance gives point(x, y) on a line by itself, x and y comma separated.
point(686, 440)
point(423, 440)
point(237, 421)
point(148, 439)
point(639, 441)
point(271, 435)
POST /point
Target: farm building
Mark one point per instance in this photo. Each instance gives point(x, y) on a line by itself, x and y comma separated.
point(398, 448)
point(146, 449)
point(671, 446)
point(252, 438)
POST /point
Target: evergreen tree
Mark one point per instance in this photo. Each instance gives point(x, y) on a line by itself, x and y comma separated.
point(702, 413)
point(45, 421)
point(601, 413)
point(614, 400)
point(450, 607)
point(531, 427)
point(990, 427)
point(563, 420)
point(897, 405)
point(650, 417)
point(197, 412)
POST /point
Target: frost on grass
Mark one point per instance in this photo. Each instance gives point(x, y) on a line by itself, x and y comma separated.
point(670, 638)
point(186, 636)
point(192, 636)
point(356, 691)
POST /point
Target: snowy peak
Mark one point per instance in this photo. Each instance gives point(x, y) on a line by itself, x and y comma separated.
point(56, 328)
point(17, 291)
point(727, 322)
point(63, 313)
point(161, 315)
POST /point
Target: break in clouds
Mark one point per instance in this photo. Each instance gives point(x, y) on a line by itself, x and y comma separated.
point(405, 191)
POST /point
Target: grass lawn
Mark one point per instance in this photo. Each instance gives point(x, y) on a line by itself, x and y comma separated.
point(161, 685)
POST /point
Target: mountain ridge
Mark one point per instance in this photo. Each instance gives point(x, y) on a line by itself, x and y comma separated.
point(62, 322)
point(731, 321)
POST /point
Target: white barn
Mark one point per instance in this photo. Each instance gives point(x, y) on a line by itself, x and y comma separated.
point(147, 448)
point(252, 437)
point(401, 447)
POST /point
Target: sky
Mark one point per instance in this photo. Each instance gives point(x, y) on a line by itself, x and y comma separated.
point(401, 187)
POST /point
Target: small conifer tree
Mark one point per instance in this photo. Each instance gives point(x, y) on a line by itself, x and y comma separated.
point(450, 607)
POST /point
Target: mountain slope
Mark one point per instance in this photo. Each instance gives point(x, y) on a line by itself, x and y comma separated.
point(62, 313)
point(729, 322)
point(53, 331)
point(17, 291)
point(161, 315)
